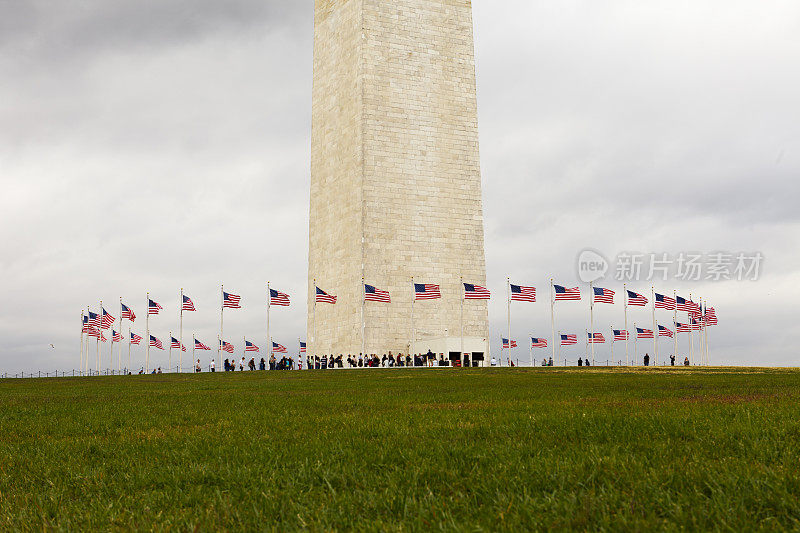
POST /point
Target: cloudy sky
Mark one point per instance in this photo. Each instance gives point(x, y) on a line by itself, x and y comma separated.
point(153, 145)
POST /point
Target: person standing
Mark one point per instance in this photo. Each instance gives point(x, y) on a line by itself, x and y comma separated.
point(213, 365)
point(672, 360)
point(646, 360)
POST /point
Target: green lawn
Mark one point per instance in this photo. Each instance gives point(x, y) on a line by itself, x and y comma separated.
point(491, 449)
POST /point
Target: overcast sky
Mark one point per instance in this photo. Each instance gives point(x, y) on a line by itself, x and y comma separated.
point(153, 145)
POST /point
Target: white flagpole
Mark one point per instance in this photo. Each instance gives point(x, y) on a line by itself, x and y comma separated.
point(591, 316)
point(530, 349)
point(463, 296)
point(708, 362)
point(221, 317)
point(119, 351)
point(655, 326)
point(82, 338)
point(147, 335)
point(612, 345)
point(363, 320)
point(553, 317)
point(700, 335)
point(691, 338)
point(180, 338)
point(508, 295)
point(314, 327)
point(413, 298)
point(193, 342)
point(627, 333)
point(269, 339)
point(100, 337)
point(129, 348)
point(559, 347)
point(170, 350)
point(635, 342)
point(675, 323)
point(86, 358)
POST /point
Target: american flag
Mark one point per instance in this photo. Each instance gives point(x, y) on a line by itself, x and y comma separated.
point(603, 296)
point(85, 323)
point(175, 343)
point(537, 342)
point(569, 340)
point(93, 332)
point(115, 336)
point(634, 298)
point(107, 321)
point(696, 324)
point(302, 347)
point(642, 333)
point(372, 294)
point(188, 304)
point(681, 328)
point(135, 339)
point(476, 292)
point(513, 343)
point(664, 331)
point(621, 335)
point(231, 301)
point(665, 302)
point(225, 346)
point(323, 297)
point(156, 343)
point(562, 293)
point(711, 316)
point(694, 308)
point(520, 293)
point(200, 346)
point(153, 307)
point(278, 348)
point(103, 337)
point(94, 320)
point(278, 298)
point(426, 291)
point(250, 347)
point(683, 304)
point(596, 338)
point(128, 314)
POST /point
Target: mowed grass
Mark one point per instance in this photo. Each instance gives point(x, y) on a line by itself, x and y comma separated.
point(482, 449)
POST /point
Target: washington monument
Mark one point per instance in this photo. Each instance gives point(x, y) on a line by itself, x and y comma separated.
point(395, 177)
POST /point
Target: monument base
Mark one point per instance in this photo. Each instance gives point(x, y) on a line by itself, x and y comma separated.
point(476, 349)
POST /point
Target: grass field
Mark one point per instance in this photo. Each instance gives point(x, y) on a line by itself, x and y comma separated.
point(506, 449)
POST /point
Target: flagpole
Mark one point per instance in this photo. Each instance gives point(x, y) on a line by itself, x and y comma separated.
point(99, 337)
point(413, 298)
point(675, 323)
point(655, 326)
point(119, 352)
point(488, 339)
point(700, 336)
point(627, 333)
point(707, 350)
point(193, 341)
point(147, 334)
point(635, 343)
point(508, 295)
point(553, 318)
point(129, 348)
point(170, 350)
point(591, 316)
point(559, 348)
point(530, 349)
point(691, 338)
point(314, 320)
point(269, 339)
point(87, 318)
point(612, 345)
point(363, 320)
point(221, 317)
point(180, 337)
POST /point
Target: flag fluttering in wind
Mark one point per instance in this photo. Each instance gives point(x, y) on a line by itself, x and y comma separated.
point(565, 294)
point(621, 335)
point(250, 347)
point(115, 336)
point(231, 301)
point(323, 297)
point(476, 292)
point(156, 343)
point(187, 304)
point(200, 346)
point(665, 302)
point(603, 296)
point(94, 320)
point(681, 328)
point(711, 316)
point(521, 293)
point(153, 307)
point(683, 304)
point(642, 333)
point(664, 331)
point(225, 346)
point(278, 348)
point(426, 291)
point(505, 343)
point(373, 294)
point(302, 347)
point(135, 339)
point(596, 338)
point(107, 321)
point(538, 342)
point(128, 314)
point(634, 298)
point(278, 298)
point(177, 344)
point(569, 340)
point(85, 324)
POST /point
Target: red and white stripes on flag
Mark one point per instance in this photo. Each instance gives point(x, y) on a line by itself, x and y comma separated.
point(323, 297)
point(200, 346)
point(538, 342)
point(569, 340)
point(373, 294)
point(153, 307)
point(521, 293)
point(107, 320)
point(664, 331)
point(565, 294)
point(278, 298)
point(603, 296)
point(476, 292)
point(231, 301)
point(664, 302)
point(642, 333)
point(156, 343)
point(621, 335)
point(596, 338)
point(225, 346)
point(426, 291)
point(188, 304)
point(634, 298)
point(135, 339)
point(128, 314)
